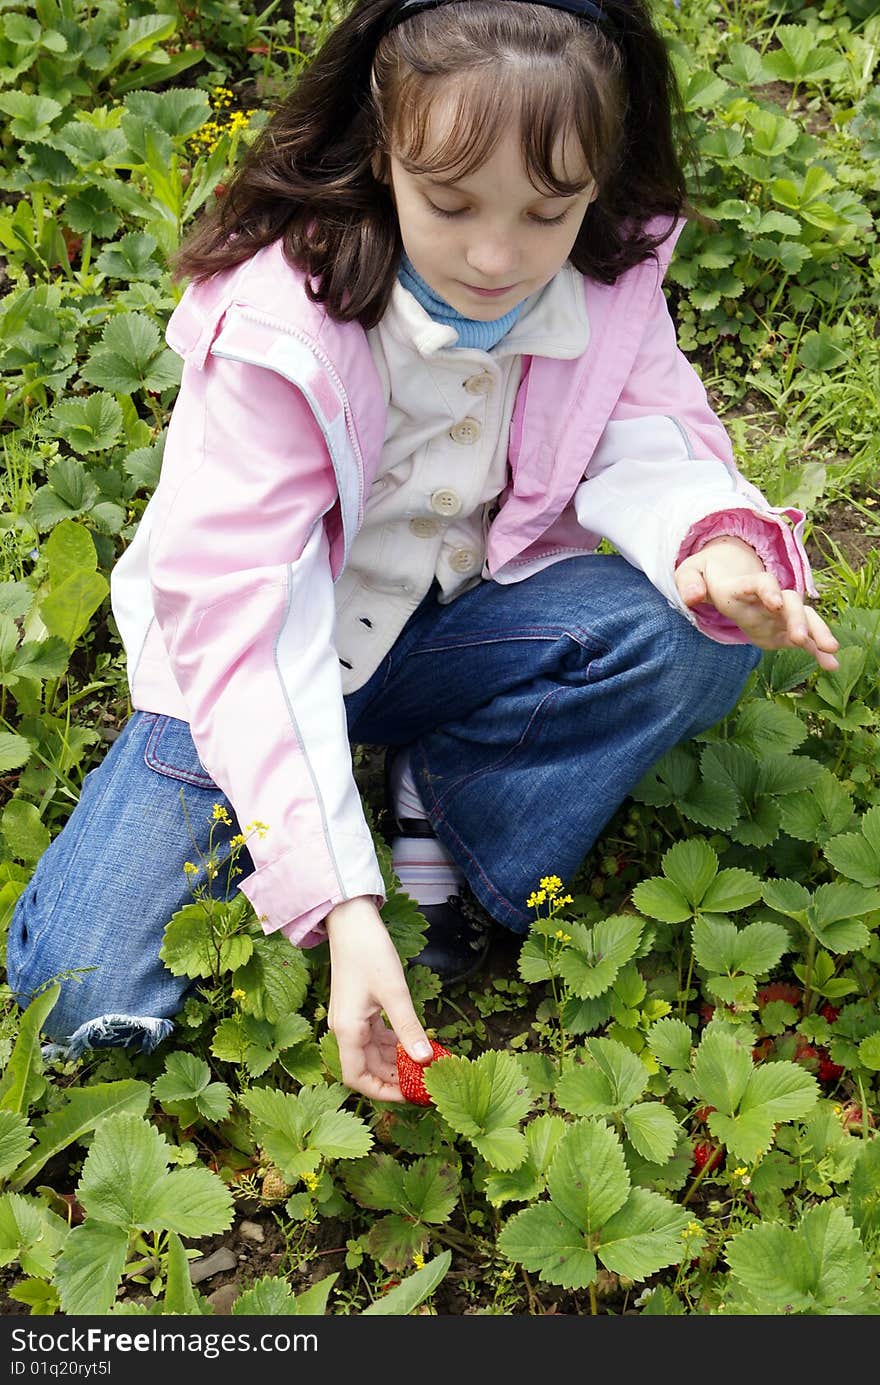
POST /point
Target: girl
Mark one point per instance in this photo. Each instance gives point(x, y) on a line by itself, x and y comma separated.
point(428, 365)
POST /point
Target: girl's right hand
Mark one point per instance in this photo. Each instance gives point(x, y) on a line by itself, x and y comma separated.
point(366, 977)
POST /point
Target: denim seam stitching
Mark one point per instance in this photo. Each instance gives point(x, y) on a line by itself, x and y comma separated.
point(152, 761)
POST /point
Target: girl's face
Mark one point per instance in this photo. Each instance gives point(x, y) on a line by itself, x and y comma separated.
point(488, 241)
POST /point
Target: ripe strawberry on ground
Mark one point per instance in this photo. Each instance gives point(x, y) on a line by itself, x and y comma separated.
point(703, 1113)
point(829, 1012)
point(828, 1071)
point(410, 1074)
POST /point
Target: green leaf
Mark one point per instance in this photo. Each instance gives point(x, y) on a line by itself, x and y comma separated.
point(692, 866)
point(645, 1236)
point(125, 1181)
point(775, 1092)
point(815, 1267)
point(722, 1068)
point(528, 1181)
point(180, 1296)
point(275, 980)
point(857, 854)
point(484, 1100)
point(869, 1052)
point(90, 1267)
point(88, 425)
point(587, 1180)
point(26, 835)
point(30, 1234)
point(394, 1240)
point(23, 1082)
point(542, 1240)
point(730, 890)
point(15, 751)
point(816, 816)
point(271, 1297)
point(721, 947)
point(15, 1138)
point(185, 1089)
point(82, 1111)
point(130, 357)
point(787, 897)
point(864, 1189)
point(670, 1042)
point(652, 1130)
point(186, 943)
point(590, 964)
point(662, 900)
point(413, 1290)
point(32, 115)
point(69, 607)
point(69, 549)
point(340, 1135)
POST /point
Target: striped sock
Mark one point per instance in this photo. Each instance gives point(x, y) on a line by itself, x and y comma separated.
point(426, 871)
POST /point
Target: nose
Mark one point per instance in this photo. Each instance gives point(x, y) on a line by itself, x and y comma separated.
point(494, 256)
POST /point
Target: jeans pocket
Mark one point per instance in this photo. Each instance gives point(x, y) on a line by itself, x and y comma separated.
point(170, 751)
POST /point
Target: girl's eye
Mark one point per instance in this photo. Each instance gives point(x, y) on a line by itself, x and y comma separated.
point(440, 211)
point(537, 220)
point(551, 220)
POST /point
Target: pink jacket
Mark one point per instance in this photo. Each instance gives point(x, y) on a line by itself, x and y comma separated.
point(224, 598)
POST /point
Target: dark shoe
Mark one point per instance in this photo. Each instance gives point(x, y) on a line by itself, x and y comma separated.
point(456, 944)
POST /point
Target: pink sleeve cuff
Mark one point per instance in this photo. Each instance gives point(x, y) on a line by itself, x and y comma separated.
point(778, 544)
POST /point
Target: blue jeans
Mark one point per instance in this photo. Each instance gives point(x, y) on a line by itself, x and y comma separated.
point(531, 711)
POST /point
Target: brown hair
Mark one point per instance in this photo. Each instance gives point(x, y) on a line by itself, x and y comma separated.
point(309, 178)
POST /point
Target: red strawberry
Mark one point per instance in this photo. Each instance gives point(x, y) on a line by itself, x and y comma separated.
point(780, 990)
point(852, 1118)
point(804, 1051)
point(409, 1073)
point(704, 1154)
point(703, 1113)
point(829, 1012)
point(828, 1071)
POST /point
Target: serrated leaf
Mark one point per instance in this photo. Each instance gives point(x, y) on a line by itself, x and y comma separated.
point(670, 1042)
point(587, 1180)
point(413, 1290)
point(484, 1100)
point(394, 1240)
point(270, 1296)
point(69, 607)
point(817, 1265)
point(857, 854)
point(15, 1139)
point(652, 1130)
point(730, 890)
point(787, 897)
point(340, 1135)
point(763, 726)
point(82, 1111)
point(721, 947)
point(590, 964)
point(584, 1090)
point(691, 865)
point(24, 832)
point(69, 548)
point(191, 1201)
point(864, 1189)
point(869, 1052)
point(816, 816)
point(775, 1092)
point(275, 980)
point(722, 1067)
point(645, 1236)
point(90, 1267)
point(185, 1089)
point(661, 899)
point(542, 1240)
point(88, 425)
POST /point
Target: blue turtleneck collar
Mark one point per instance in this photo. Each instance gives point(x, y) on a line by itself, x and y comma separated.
point(471, 332)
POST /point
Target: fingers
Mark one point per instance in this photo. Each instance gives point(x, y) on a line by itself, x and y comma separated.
point(807, 630)
point(691, 584)
point(367, 1058)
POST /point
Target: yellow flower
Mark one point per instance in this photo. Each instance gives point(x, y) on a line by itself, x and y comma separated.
point(739, 1172)
point(190, 868)
point(239, 994)
point(561, 936)
point(237, 840)
point(535, 898)
point(551, 883)
point(219, 814)
point(418, 1261)
point(311, 1181)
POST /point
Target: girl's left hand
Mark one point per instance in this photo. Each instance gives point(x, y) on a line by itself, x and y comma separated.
point(729, 575)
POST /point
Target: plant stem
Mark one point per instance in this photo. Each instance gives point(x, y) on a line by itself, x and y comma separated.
point(594, 1301)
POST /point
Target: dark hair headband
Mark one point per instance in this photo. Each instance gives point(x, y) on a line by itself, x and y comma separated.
point(584, 9)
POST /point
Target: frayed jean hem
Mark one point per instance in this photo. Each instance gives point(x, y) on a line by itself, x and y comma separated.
point(112, 1031)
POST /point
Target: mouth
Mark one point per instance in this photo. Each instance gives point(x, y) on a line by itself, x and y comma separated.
point(490, 293)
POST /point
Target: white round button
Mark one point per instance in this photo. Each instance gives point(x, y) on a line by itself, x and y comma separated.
point(479, 384)
point(468, 431)
point(445, 502)
point(424, 528)
point(462, 560)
